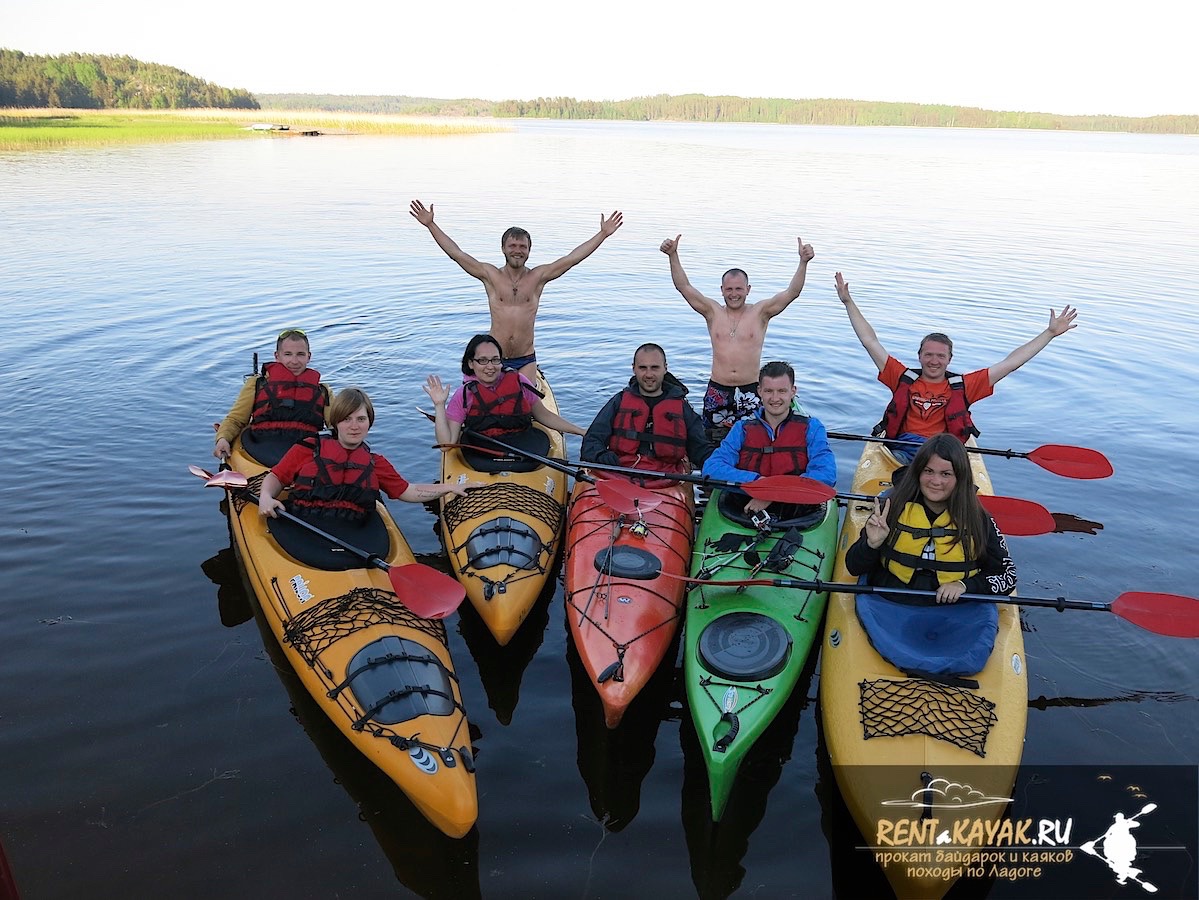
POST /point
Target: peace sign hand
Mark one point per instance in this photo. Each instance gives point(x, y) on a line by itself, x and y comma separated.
point(876, 526)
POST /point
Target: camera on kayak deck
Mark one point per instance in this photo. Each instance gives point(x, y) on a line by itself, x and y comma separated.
point(761, 520)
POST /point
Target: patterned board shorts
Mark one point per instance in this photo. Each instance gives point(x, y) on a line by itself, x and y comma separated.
point(724, 405)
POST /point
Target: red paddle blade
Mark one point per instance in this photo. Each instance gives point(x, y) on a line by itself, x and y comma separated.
point(1072, 462)
point(228, 479)
point(1169, 614)
point(1018, 517)
point(625, 497)
point(789, 489)
point(428, 593)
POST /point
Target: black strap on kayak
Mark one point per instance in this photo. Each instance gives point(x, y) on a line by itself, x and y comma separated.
point(947, 680)
point(393, 696)
point(782, 554)
point(729, 736)
point(385, 659)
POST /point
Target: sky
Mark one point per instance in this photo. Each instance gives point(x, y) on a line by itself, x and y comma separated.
point(1072, 57)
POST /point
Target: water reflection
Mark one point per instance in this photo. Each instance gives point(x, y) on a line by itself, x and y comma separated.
point(717, 848)
point(502, 668)
point(614, 761)
point(232, 597)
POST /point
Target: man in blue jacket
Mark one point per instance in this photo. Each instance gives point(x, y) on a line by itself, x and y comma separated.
point(776, 441)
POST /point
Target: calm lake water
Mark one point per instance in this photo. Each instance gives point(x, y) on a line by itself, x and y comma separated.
point(151, 740)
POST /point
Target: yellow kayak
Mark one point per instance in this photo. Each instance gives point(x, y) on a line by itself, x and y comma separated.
point(503, 539)
point(922, 766)
point(382, 674)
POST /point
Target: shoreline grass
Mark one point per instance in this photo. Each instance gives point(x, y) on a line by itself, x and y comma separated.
point(50, 129)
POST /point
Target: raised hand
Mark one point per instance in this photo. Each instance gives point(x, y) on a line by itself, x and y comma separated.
point(438, 392)
point(877, 528)
point(843, 289)
point(1063, 323)
point(608, 226)
point(422, 215)
point(670, 247)
point(806, 253)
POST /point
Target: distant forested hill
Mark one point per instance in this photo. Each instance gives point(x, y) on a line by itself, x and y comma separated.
point(378, 104)
point(702, 108)
point(90, 81)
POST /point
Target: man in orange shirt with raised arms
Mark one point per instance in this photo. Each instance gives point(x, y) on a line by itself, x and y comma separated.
point(931, 400)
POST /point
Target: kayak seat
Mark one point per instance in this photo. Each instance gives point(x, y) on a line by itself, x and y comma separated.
point(785, 515)
point(313, 550)
point(628, 562)
point(744, 646)
point(503, 541)
point(267, 450)
point(398, 679)
point(533, 440)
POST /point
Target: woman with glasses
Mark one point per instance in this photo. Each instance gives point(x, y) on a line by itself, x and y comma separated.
point(502, 539)
point(492, 401)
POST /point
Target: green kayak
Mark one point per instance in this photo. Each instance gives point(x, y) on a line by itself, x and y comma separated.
point(745, 645)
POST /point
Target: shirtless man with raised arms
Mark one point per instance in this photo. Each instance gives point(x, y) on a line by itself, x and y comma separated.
point(737, 329)
point(514, 291)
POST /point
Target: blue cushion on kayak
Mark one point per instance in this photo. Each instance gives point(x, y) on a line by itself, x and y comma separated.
point(946, 639)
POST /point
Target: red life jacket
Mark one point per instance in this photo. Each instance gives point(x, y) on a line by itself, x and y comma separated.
point(787, 454)
point(336, 481)
point(286, 403)
point(498, 409)
point(958, 421)
point(666, 434)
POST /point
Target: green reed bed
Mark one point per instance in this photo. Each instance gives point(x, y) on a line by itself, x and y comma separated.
point(44, 129)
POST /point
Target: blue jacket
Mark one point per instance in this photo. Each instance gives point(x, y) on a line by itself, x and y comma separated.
point(822, 465)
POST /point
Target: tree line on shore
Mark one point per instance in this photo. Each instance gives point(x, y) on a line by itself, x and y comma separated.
point(93, 81)
point(703, 108)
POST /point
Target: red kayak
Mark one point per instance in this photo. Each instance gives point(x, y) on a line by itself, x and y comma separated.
point(623, 612)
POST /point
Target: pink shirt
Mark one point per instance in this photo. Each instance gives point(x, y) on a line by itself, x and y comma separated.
point(455, 409)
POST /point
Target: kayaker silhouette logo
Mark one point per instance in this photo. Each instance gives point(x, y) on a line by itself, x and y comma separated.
point(1118, 848)
point(941, 793)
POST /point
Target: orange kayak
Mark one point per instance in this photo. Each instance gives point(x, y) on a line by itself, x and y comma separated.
point(622, 612)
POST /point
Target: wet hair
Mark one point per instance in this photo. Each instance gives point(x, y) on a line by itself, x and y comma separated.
point(777, 370)
point(740, 272)
point(940, 339)
point(649, 347)
point(346, 403)
point(472, 347)
point(518, 233)
point(967, 513)
point(291, 334)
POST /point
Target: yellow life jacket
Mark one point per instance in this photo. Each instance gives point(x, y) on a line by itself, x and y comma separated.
point(908, 552)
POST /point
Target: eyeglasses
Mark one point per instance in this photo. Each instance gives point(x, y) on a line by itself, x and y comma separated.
point(487, 361)
point(291, 332)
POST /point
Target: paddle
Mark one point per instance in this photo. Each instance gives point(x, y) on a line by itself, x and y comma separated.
point(1060, 459)
point(425, 591)
point(622, 496)
point(1169, 614)
point(1012, 515)
point(776, 488)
